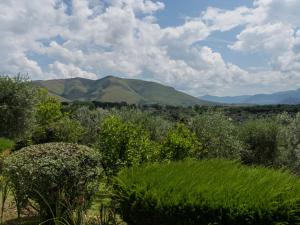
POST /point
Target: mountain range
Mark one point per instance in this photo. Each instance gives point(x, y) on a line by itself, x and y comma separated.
point(284, 97)
point(115, 89)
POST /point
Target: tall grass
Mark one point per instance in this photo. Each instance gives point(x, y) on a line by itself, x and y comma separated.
point(203, 192)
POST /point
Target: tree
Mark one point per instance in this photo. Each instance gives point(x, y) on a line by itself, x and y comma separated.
point(289, 142)
point(18, 98)
point(155, 125)
point(48, 110)
point(218, 135)
point(60, 178)
point(90, 120)
point(261, 142)
point(180, 143)
point(52, 125)
point(122, 144)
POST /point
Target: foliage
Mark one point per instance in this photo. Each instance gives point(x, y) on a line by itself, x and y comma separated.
point(90, 121)
point(289, 148)
point(52, 125)
point(207, 192)
point(156, 126)
point(122, 144)
point(48, 109)
point(218, 135)
point(17, 102)
point(58, 177)
point(5, 144)
point(180, 143)
point(63, 130)
point(261, 141)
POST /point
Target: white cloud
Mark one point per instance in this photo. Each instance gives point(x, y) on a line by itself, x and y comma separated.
point(273, 38)
point(123, 37)
point(60, 70)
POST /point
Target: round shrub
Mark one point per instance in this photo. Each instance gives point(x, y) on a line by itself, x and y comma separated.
point(207, 192)
point(58, 177)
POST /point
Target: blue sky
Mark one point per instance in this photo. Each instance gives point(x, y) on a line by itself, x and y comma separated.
point(216, 47)
point(177, 10)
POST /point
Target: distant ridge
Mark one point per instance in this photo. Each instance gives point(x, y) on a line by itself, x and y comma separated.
point(115, 89)
point(284, 97)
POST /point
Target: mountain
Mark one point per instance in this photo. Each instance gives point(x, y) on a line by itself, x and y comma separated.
point(115, 89)
point(284, 97)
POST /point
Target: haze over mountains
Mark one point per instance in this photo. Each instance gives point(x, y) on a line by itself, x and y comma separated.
point(114, 89)
point(285, 97)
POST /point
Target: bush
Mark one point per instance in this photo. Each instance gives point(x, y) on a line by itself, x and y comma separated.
point(218, 135)
point(207, 192)
point(58, 177)
point(122, 144)
point(261, 142)
point(180, 143)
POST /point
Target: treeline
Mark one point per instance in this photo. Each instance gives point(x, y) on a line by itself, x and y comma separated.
point(239, 113)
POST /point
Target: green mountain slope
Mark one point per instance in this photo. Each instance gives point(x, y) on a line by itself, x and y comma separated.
point(114, 89)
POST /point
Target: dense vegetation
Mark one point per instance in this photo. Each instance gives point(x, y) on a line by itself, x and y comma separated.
point(207, 192)
point(121, 136)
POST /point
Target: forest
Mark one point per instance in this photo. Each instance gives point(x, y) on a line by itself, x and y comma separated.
point(101, 163)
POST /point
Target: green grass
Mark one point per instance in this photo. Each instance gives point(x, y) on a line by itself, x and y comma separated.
point(5, 144)
point(204, 192)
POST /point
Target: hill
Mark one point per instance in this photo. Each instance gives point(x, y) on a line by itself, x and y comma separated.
point(284, 97)
point(115, 89)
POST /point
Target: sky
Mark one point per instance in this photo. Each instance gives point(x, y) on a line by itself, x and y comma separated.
point(216, 47)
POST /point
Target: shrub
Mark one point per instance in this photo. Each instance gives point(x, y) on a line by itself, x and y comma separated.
point(59, 177)
point(122, 144)
point(180, 143)
point(218, 135)
point(261, 142)
point(207, 192)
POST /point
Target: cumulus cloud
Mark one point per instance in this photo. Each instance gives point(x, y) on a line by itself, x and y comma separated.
point(123, 37)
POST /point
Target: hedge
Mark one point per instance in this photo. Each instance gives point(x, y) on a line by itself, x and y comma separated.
point(207, 192)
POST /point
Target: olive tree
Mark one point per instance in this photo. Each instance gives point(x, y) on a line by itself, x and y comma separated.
point(60, 178)
point(261, 142)
point(289, 142)
point(18, 98)
point(218, 135)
